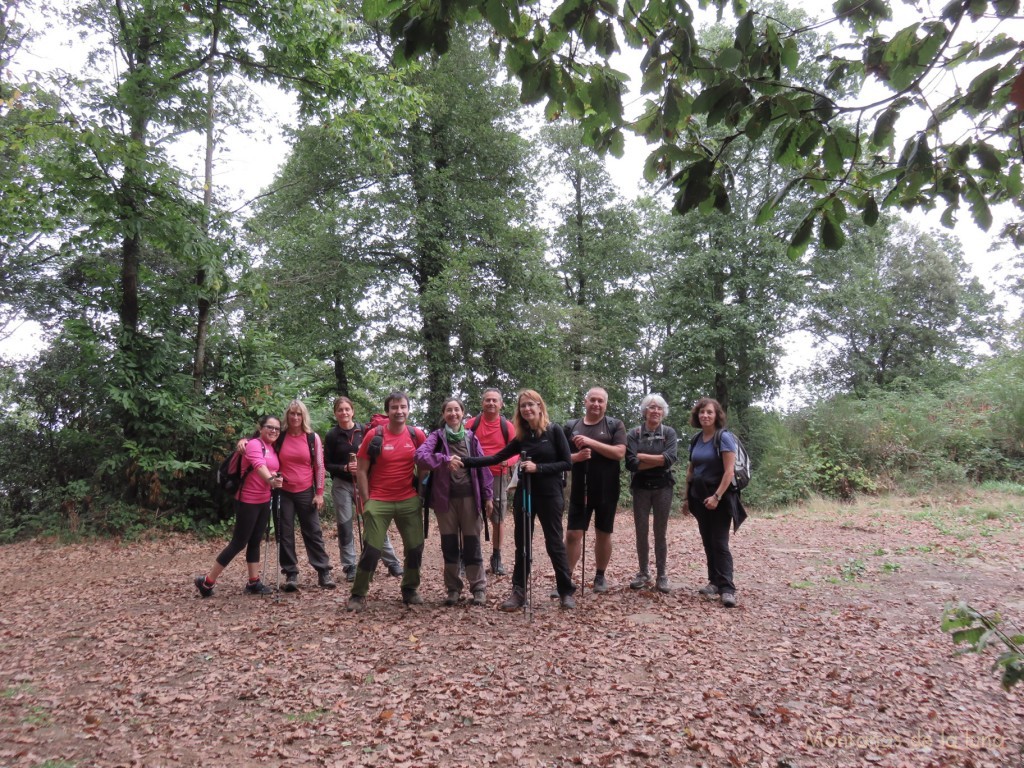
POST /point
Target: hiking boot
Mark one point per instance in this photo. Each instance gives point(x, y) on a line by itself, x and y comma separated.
point(662, 583)
point(515, 601)
point(496, 567)
point(479, 597)
point(600, 585)
point(291, 583)
point(412, 597)
point(258, 588)
point(325, 581)
point(708, 590)
point(453, 597)
point(350, 575)
point(728, 599)
point(567, 602)
point(553, 594)
point(640, 580)
point(355, 604)
point(200, 582)
point(396, 571)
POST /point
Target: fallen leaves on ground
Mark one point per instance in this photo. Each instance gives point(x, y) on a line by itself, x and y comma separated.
point(111, 659)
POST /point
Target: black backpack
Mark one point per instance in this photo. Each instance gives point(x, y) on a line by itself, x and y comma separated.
point(473, 423)
point(230, 475)
point(741, 471)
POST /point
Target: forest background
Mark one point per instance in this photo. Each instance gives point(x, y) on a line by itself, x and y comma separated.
point(423, 234)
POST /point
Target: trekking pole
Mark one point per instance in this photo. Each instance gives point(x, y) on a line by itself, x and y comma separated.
point(357, 511)
point(528, 534)
point(583, 552)
point(275, 518)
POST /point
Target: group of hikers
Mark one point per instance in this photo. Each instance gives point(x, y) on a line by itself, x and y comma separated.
point(474, 465)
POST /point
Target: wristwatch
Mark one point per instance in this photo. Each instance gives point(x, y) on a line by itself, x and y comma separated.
point(717, 497)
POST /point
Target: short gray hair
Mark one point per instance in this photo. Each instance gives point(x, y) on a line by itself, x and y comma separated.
point(650, 400)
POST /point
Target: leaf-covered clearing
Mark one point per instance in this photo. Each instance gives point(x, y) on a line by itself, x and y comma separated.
point(834, 656)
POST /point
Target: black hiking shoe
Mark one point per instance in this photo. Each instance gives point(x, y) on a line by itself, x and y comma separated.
point(728, 599)
point(515, 601)
point(356, 603)
point(291, 583)
point(412, 597)
point(497, 568)
point(600, 584)
point(200, 582)
point(258, 588)
point(325, 581)
point(640, 580)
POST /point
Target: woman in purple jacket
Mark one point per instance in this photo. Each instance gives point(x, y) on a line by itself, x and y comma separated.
point(460, 498)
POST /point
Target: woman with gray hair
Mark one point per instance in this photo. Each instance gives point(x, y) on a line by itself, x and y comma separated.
point(650, 454)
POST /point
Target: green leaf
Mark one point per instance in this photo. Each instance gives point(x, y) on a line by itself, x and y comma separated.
point(767, 209)
point(884, 132)
point(790, 55)
point(729, 58)
point(832, 236)
point(981, 213)
point(870, 212)
point(979, 92)
point(990, 160)
point(801, 237)
point(744, 32)
point(832, 155)
point(375, 10)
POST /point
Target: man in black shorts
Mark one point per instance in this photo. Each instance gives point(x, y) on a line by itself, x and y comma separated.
point(598, 442)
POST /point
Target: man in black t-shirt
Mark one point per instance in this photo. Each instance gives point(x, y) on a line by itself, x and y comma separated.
point(598, 443)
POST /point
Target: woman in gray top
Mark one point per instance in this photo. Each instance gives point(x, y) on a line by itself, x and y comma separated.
point(650, 454)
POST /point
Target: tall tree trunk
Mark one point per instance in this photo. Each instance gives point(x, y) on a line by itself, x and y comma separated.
point(203, 307)
point(340, 373)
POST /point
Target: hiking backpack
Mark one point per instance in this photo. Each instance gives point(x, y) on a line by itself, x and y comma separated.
point(230, 476)
point(473, 423)
point(741, 470)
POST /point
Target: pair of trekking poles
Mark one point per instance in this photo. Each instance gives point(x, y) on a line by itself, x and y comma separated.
point(527, 553)
point(274, 521)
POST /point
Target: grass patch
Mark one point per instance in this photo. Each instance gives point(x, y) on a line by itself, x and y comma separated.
point(852, 570)
point(37, 715)
point(306, 717)
point(16, 690)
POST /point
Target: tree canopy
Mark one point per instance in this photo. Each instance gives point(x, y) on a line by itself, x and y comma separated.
point(915, 146)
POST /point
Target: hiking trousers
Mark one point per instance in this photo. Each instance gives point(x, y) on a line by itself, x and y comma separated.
point(343, 498)
point(377, 516)
point(301, 505)
point(648, 502)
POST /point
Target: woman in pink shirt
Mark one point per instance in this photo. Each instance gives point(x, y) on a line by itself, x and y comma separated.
point(260, 475)
point(302, 495)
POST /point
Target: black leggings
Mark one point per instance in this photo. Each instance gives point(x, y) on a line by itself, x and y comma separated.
point(250, 525)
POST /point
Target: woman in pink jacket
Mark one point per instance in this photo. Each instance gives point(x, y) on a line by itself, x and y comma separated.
point(260, 475)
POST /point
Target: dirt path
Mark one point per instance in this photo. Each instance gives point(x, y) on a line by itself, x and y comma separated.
point(833, 658)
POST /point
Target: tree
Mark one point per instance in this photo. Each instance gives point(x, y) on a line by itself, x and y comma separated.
point(596, 252)
point(963, 148)
point(895, 303)
point(110, 246)
point(431, 244)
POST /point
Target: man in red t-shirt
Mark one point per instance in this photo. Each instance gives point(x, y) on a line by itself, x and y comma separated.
point(386, 477)
point(494, 432)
